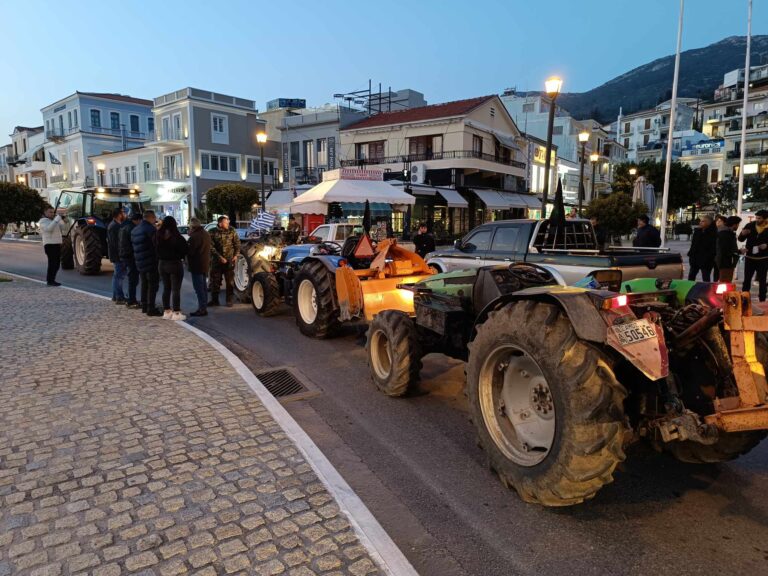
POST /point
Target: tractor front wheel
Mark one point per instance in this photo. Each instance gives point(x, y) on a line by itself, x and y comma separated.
point(67, 254)
point(394, 352)
point(313, 303)
point(265, 294)
point(547, 406)
point(242, 273)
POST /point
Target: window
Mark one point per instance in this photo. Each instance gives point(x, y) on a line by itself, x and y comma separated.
point(343, 232)
point(477, 145)
point(505, 239)
point(74, 115)
point(69, 119)
point(95, 118)
point(715, 175)
point(150, 124)
point(134, 123)
point(322, 152)
point(322, 232)
point(219, 129)
point(61, 124)
point(309, 153)
point(114, 176)
point(626, 143)
point(252, 166)
point(528, 107)
point(626, 128)
point(127, 170)
point(557, 130)
point(219, 162)
point(114, 120)
point(647, 125)
point(477, 242)
point(646, 139)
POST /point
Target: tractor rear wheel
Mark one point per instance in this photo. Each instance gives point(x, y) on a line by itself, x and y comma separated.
point(87, 249)
point(67, 254)
point(394, 352)
point(313, 303)
point(242, 274)
point(547, 406)
point(265, 294)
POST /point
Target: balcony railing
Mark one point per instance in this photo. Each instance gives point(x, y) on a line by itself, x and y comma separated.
point(174, 175)
point(172, 135)
point(448, 155)
point(747, 154)
point(116, 132)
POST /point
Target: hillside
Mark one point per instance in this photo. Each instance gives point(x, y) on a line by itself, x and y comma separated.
point(701, 71)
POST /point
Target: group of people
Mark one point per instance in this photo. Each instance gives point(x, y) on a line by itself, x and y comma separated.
point(146, 251)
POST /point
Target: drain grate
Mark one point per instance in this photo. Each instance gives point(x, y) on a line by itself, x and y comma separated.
point(281, 383)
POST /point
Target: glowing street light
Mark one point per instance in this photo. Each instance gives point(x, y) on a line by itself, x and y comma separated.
point(261, 138)
point(583, 139)
point(594, 158)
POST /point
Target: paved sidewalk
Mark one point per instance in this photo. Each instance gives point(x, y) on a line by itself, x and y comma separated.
point(130, 445)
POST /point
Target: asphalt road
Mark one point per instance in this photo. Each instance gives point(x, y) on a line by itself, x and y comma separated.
point(414, 462)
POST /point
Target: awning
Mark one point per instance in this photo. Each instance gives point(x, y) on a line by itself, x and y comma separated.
point(491, 199)
point(531, 200)
point(507, 141)
point(280, 200)
point(496, 200)
point(452, 198)
point(316, 200)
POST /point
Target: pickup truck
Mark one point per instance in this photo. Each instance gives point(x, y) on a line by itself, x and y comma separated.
point(570, 255)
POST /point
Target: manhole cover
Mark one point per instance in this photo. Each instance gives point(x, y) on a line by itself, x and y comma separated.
point(282, 383)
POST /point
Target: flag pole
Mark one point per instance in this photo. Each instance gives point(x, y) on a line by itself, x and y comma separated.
point(740, 197)
point(671, 134)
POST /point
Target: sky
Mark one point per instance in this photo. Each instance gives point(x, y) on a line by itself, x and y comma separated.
point(260, 50)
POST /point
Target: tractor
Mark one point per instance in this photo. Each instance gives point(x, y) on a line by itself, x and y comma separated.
point(560, 380)
point(89, 211)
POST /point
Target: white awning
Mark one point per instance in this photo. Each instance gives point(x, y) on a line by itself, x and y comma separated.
point(491, 199)
point(531, 200)
point(280, 200)
point(497, 200)
point(507, 141)
point(452, 198)
point(316, 200)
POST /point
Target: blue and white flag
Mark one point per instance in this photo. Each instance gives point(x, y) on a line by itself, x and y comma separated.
point(53, 159)
point(264, 222)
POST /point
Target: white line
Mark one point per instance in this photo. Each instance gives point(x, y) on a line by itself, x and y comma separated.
point(371, 534)
point(21, 240)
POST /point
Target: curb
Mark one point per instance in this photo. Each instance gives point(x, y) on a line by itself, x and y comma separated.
point(382, 549)
point(21, 240)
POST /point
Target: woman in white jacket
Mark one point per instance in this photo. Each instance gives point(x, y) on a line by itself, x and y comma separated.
point(52, 227)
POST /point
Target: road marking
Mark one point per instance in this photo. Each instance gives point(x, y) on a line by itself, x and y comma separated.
point(21, 240)
point(370, 533)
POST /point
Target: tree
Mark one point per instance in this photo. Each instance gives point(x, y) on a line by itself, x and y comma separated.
point(231, 198)
point(19, 204)
point(685, 187)
point(616, 212)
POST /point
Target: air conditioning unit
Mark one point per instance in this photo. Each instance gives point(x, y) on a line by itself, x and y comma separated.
point(418, 173)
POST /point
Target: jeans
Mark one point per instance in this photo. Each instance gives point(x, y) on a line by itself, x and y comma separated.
point(201, 290)
point(53, 251)
point(117, 281)
point(150, 281)
point(759, 268)
point(133, 279)
point(172, 272)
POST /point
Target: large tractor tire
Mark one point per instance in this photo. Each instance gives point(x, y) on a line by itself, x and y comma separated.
point(394, 352)
point(313, 303)
point(265, 294)
point(547, 406)
point(242, 282)
point(87, 248)
point(67, 254)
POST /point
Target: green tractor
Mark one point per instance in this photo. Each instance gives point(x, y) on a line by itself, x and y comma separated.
point(561, 379)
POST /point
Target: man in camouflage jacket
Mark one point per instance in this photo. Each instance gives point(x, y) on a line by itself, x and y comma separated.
point(225, 246)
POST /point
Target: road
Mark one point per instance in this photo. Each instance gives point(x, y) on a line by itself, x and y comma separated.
point(415, 464)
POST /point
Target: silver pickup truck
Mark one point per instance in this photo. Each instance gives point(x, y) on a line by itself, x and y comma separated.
point(570, 254)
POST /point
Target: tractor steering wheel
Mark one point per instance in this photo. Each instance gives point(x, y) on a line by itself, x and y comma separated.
point(328, 247)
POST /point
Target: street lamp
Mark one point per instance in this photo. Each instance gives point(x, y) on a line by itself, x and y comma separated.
point(594, 159)
point(261, 138)
point(633, 172)
point(552, 86)
point(100, 168)
point(21, 179)
point(583, 138)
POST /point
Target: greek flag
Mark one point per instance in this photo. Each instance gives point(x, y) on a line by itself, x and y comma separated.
point(263, 222)
point(53, 159)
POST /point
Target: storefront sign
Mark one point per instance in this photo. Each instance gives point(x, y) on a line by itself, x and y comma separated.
point(353, 174)
point(286, 163)
point(331, 152)
point(540, 155)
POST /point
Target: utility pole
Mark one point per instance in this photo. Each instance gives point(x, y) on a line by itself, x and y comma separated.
point(745, 103)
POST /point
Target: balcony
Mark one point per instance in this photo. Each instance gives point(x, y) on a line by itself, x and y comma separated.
point(172, 137)
point(120, 132)
point(166, 174)
point(433, 156)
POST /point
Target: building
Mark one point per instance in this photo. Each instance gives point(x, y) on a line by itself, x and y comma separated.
point(28, 157)
point(6, 170)
point(201, 139)
point(681, 139)
point(644, 130)
point(86, 124)
point(469, 146)
point(707, 157)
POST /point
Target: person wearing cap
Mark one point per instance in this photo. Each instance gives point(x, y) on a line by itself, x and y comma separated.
point(727, 250)
point(126, 257)
point(225, 246)
point(756, 254)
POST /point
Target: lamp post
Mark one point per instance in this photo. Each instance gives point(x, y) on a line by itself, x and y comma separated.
point(100, 168)
point(633, 172)
point(552, 86)
point(261, 138)
point(583, 138)
point(21, 179)
point(594, 159)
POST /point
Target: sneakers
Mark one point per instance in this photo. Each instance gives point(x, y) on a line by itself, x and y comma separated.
point(178, 316)
point(199, 313)
point(167, 314)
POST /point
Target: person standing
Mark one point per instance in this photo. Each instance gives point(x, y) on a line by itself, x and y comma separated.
point(199, 262)
point(647, 236)
point(144, 241)
point(225, 246)
point(171, 251)
point(756, 255)
point(600, 234)
point(424, 241)
point(294, 230)
point(113, 249)
point(727, 251)
point(126, 257)
point(701, 255)
point(52, 227)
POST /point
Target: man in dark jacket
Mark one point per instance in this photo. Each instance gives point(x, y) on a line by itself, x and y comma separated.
point(600, 234)
point(424, 241)
point(113, 249)
point(126, 257)
point(701, 255)
point(756, 255)
point(144, 240)
point(647, 235)
point(225, 246)
point(727, 253)
point(199, 262)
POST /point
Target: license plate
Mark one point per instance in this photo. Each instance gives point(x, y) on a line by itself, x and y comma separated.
point(634, 332)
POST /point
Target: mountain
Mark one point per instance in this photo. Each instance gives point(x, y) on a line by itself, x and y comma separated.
point(701, 72)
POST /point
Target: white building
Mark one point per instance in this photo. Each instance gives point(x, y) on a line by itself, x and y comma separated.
point(707, 157)
point(28, 157)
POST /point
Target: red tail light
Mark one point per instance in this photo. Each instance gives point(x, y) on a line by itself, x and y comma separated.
point(722, 288)
point(90, 221)
point(616, 302)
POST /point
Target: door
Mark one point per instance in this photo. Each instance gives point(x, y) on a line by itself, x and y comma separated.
point(177, 127)
point(471, 252)
point(166, 128)
point(503, 249)
point(173, 166)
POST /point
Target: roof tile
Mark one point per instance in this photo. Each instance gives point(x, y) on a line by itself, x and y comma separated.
point(433, 111)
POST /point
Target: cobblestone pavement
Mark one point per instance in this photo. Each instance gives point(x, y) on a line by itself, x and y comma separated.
point(128, 445)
